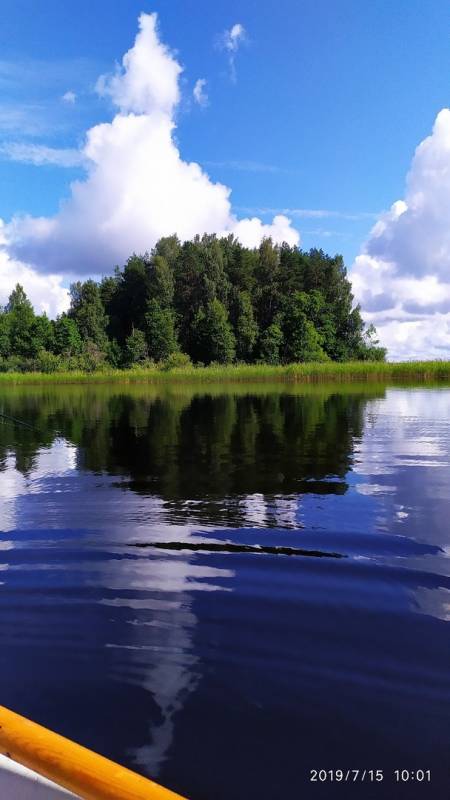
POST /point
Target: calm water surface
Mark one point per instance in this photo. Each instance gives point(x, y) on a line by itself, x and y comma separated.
point(232, 674)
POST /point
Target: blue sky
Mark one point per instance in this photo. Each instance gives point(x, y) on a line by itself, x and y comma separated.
point(323, 114)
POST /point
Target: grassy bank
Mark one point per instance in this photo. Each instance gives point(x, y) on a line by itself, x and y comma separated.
point(411, 371)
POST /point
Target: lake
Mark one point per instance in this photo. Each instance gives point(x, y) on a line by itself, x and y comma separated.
point(227, 589)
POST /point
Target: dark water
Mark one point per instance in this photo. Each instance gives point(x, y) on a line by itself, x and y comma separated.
point(225, 673)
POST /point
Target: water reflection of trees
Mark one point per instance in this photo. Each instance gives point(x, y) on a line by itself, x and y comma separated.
point(214, 449)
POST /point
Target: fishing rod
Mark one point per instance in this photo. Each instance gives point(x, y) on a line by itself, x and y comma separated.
point(16, 421)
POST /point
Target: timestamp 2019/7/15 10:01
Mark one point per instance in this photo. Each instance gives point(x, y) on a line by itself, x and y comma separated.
point(369, 775)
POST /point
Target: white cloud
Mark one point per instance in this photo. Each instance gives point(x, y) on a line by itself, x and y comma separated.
point(233, 38)
point(69, 97)
point(147, 81)
point(50, 74)
point(39, 154)
point(402, 276)
point(200, 96)
point(230, 41)
point(248, 166)
point(137, 186)
point(46, 292)
point(252, 231)
point(307, 213)
point(26, 119)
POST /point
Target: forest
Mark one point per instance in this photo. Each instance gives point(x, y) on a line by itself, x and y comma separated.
point(205, 301)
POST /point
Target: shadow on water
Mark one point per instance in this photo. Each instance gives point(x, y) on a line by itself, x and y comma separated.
point(148, 609)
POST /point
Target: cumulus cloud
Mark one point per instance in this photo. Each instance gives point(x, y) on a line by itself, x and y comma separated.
point(147, 80)
point(137, 187)
point(46, 292)
point(402, 276)
point(252, 231)
point(200, 96)
point(230, 41)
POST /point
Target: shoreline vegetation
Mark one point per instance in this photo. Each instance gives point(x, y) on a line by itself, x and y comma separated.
point(205, 311)
point(209, 302)
point(307, 373)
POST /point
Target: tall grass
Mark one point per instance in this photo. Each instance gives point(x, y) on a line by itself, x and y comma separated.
point(409, 371)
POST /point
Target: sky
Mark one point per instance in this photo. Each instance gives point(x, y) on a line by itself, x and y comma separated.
point(324, 124)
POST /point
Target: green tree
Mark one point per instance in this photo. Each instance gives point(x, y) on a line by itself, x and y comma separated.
point(200, 277)
point(88, 312)
point(370, 349)
point(67, 339)
point(169, 247)
point(307, 345)
point(92, 357)
point(161, 281)
point(246, 327)
point(271, 344)
point(189, 292)
point(18, 300)
point(136, 347)
point(21, 318)
point(292, 270)
point(215, 279)
point(317, 311)
point(5, 338)
point(268, 292)
point(329, 275)
point(210, 299)
point(213, 335)
point(42, 335)
point(302, 342)
point(160, 331)
point(110, 297)
point(109, 286)
point(241, 264)
point(134, 293)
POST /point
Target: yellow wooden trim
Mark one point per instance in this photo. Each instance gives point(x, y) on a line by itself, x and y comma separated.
point(72, 766)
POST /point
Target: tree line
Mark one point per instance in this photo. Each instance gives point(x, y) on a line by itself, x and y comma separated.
point(209, 300)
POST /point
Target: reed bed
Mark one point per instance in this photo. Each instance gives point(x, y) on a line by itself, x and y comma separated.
point(410, 371)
